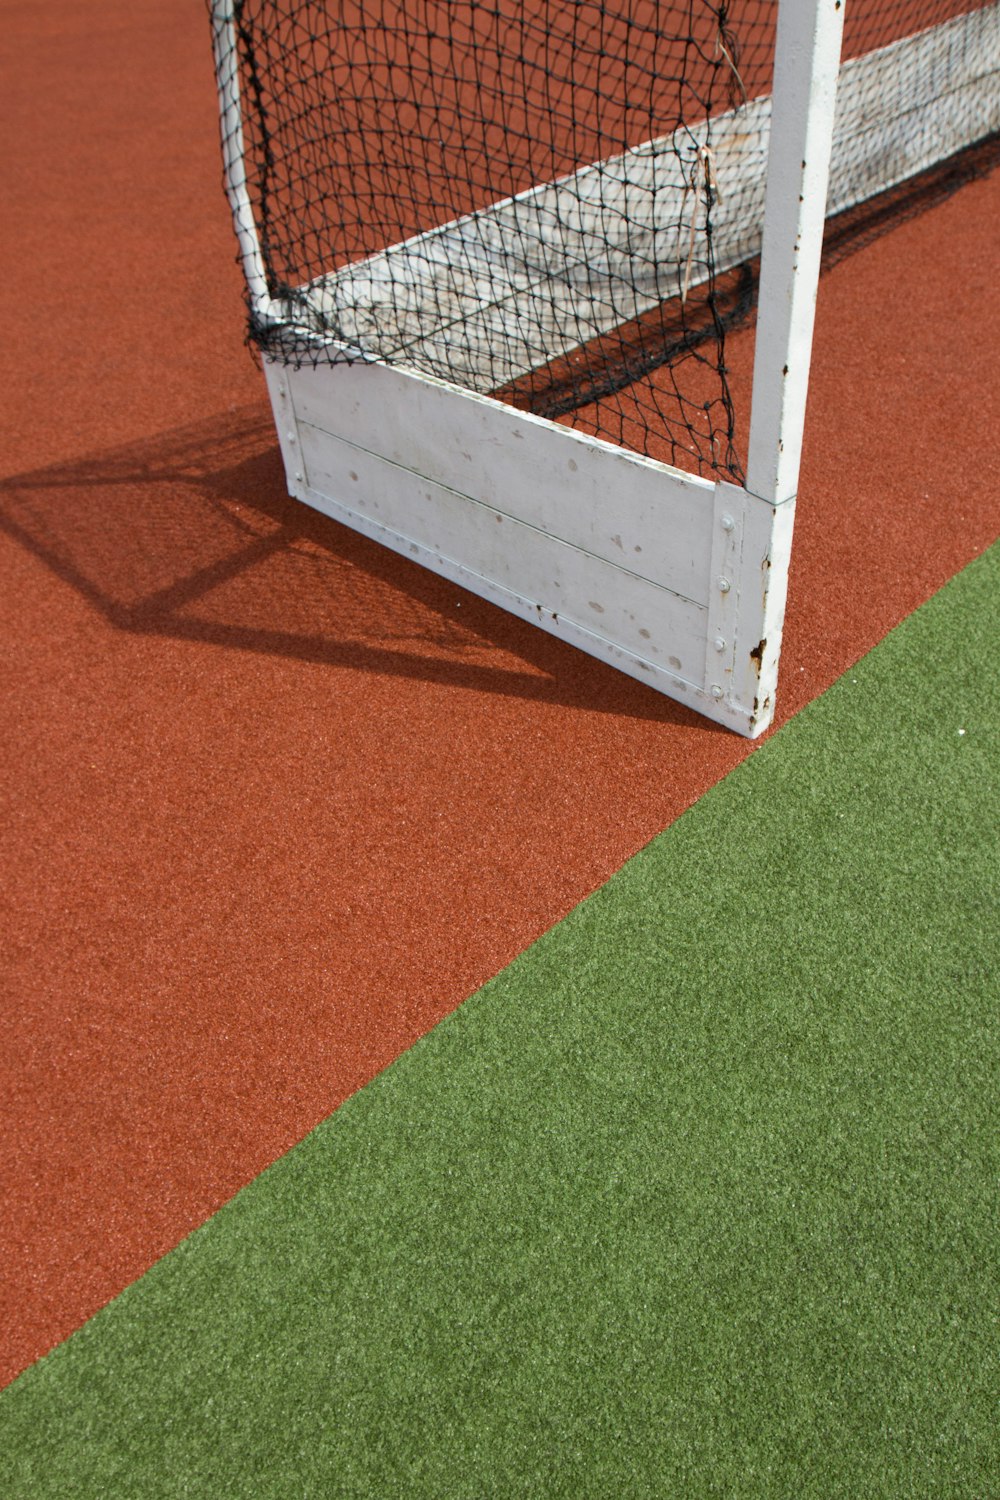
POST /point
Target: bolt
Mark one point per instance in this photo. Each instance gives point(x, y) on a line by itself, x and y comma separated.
point(298, 478)
point(291, 437)
point(716, 690)
point(728, 523)
point(724, 585)
point(719, 643)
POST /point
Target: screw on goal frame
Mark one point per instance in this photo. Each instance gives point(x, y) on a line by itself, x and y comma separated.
point(386, 369)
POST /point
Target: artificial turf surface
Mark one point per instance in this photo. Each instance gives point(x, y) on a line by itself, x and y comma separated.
point(696, 1198)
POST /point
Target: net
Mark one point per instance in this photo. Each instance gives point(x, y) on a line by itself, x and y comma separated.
point(560, 204)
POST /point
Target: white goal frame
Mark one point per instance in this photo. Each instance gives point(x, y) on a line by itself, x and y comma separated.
point(677, 580)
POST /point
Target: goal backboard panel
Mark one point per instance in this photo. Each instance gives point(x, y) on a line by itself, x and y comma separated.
point(676, 580)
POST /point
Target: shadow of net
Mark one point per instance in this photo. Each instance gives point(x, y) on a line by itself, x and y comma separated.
point(192, 535)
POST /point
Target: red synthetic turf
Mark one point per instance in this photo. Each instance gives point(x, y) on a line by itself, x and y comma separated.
point(277, 800)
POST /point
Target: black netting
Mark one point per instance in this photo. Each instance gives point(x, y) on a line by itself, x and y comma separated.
point(560, 203)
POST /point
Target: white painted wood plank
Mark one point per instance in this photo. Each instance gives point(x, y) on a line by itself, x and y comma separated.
point(646, 631)
point(565, 261)
point(398, 295)
point(504, 341)
point(583, 255)
point(628, 510)
point(913, 103)
point(548, 575)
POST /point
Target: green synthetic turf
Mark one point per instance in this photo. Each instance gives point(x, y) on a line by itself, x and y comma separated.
point(697, 1198)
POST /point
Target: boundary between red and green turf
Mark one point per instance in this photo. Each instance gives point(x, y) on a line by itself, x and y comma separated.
point(697, 1197)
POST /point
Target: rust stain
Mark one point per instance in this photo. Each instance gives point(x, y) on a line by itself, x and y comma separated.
point(757, 654)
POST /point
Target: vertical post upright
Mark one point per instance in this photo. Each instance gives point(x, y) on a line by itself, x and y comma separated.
point(806, 65)
point(234, 160)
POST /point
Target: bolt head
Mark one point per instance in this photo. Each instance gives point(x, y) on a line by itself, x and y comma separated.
point(724, 585)
point(728, 523)
point(719, 643)
point(716, 690)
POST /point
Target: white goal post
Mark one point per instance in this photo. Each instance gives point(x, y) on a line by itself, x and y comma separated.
point(677, 580)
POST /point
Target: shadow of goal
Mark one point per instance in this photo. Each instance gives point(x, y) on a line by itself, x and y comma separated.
point(470, 234)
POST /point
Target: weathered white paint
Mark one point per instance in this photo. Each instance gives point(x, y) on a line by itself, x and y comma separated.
point(560, 529)
point(754, 609)
point(549, 575)
point(805, 88)
point(913, 103)
point(632, 512)
point(498, 292)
